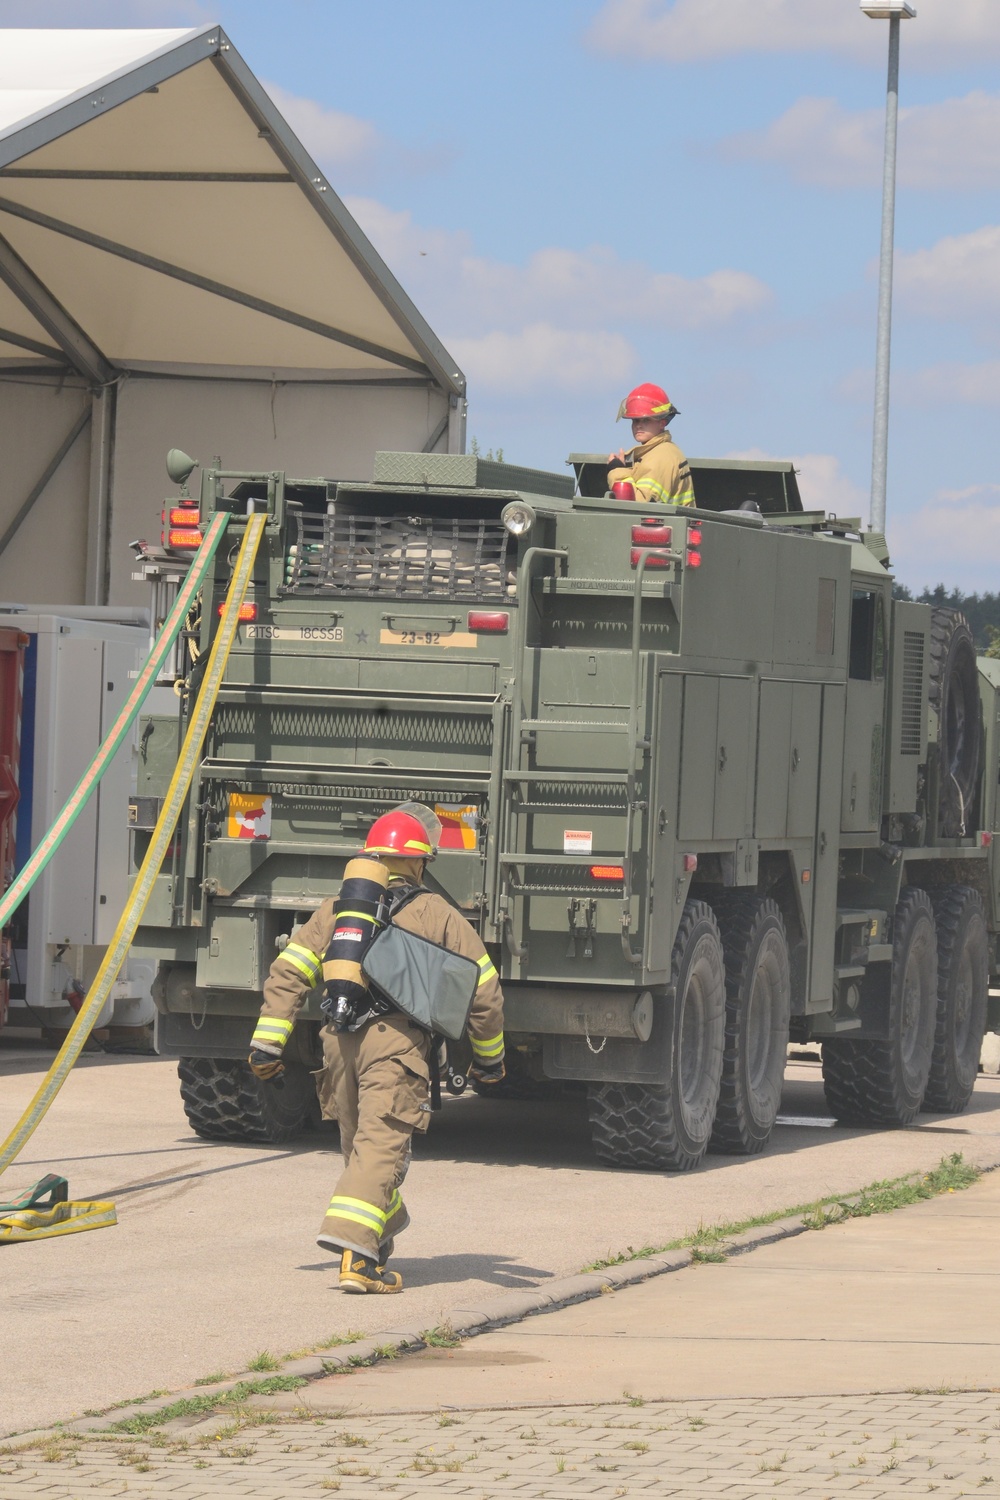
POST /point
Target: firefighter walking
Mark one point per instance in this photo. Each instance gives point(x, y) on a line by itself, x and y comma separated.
point(377, 1060)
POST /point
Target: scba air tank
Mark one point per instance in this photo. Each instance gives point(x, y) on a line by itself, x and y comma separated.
point(359, 915)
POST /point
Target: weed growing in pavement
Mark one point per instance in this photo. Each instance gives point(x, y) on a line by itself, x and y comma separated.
point(952, 1174)
point(441, 1337)
point(264, 1360)
point(214, 1379)
point(204, 1406)
point(446, 1421)
point(637, 1447)
point(333, 1342)
point(701, 1257)
point(349, 1440)
point(634, 1400)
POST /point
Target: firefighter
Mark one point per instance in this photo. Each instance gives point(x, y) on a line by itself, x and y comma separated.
point(656, 467)
point(376, 1076)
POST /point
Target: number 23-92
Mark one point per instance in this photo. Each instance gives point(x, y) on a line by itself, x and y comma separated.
point(420, 637)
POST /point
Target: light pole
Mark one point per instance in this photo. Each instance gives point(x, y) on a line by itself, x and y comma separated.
point(892, 11)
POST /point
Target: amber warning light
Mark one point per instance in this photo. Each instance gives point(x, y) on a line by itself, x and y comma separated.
point(607, 872)
point(247, 611)
point(180, 526)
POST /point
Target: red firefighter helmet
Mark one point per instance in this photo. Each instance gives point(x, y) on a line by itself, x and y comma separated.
point(401, 835)
point(647, 401)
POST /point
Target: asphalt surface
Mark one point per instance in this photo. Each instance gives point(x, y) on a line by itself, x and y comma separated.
point(213, 1259)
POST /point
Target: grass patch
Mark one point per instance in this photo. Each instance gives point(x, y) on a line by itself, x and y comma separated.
point(951, 1175)
point(441, 1337)
point(264, 1360)
point(216, 1378)
point(333, 1342)
point(204, 1406)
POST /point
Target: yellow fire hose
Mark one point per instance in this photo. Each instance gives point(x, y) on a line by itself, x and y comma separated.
point(155, 854)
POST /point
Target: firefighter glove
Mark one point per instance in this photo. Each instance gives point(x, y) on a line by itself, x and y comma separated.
point(484, 1072)
point(266, 1065)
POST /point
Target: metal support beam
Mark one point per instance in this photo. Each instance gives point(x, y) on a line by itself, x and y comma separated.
point(81, 352)
point(290, 152)
point(437, 434)
point(103, 405)
point(59, 174)
point(38, 488)
point(20, 341)
point(458, 409)
point(205, 284)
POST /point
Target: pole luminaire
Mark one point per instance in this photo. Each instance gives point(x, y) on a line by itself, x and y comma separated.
point(892, 11)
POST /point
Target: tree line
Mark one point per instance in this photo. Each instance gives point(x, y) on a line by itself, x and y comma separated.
point(981, 610)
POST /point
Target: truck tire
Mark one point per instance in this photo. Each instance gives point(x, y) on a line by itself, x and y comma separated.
point(758, 1011)
point(667, 1127)
point(883, 1083)
point(954, 696)
point(224, 1101)
point(963, 987)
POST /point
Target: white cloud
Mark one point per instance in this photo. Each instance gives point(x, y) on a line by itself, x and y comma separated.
point(958, 278)
point(945, 32)
point(541, 357)
point(351, 149)
point(954, 539)
point(590, 289)
point(823, 484)
point(950, 383)
point(950, 145)
point(334, 138)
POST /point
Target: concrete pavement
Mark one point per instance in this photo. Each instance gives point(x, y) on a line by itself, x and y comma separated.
point(503, 1196)
point(836, 1363)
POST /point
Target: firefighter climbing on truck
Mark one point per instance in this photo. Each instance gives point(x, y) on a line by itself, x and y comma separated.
point(378, 1061)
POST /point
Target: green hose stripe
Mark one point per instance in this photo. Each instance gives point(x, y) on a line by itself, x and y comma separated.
point(40, 857)
point(169, 813)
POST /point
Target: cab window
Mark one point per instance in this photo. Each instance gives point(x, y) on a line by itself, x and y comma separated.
point(867, 662)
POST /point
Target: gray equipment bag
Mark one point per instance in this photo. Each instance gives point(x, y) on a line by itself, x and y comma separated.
point(428, 983)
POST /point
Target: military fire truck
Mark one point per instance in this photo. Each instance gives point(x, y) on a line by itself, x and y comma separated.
point(706, 787)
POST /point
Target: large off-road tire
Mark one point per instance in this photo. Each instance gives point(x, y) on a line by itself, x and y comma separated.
point(224, 1101)
point(963, 988)
point(883, 1083)
point(954, 697)
point(667, 1127)
point(758, 1011)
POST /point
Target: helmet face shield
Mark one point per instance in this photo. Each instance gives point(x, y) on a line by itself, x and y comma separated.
point(428, 820)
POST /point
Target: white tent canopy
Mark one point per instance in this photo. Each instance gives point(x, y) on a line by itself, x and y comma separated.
point(167, 245)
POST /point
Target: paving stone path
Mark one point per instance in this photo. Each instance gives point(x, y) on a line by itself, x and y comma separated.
point(823, 1448)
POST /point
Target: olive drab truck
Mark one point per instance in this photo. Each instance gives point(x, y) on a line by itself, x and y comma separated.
point(706, 788)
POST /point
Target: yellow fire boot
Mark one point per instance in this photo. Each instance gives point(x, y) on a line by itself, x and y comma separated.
point(360, 1274)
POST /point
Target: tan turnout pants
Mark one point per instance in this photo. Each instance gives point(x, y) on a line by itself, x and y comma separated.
point(375, 1083)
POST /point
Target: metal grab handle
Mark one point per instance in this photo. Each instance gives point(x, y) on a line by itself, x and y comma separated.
point(645, 553)
point(425, 622)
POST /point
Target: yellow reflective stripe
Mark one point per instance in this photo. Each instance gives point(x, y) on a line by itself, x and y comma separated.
point(395, 1204)
point(359, 916)
point(272, 1029)
point(486, 975)
point(656, 490)
point(308, 965)
point(358, 1211)
point(492, 1047)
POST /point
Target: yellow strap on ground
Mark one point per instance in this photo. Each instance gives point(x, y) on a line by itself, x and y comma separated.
point(162, 834)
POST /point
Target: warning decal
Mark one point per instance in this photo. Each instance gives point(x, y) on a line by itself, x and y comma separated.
point(578, 841)
point(249, 816)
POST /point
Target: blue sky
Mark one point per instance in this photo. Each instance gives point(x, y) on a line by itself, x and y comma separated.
point(584, 194)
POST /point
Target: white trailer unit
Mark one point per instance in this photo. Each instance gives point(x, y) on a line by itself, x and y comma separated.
point(79, 668)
